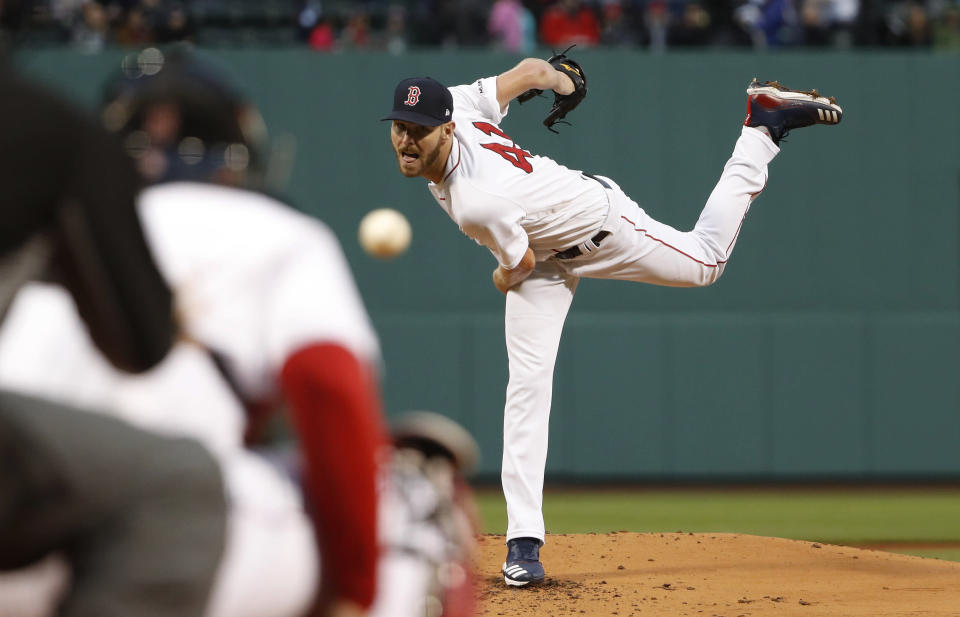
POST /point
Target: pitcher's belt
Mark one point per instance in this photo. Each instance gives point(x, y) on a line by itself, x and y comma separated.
point(576, 251)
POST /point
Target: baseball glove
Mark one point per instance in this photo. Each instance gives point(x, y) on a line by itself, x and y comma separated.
point(562, 103)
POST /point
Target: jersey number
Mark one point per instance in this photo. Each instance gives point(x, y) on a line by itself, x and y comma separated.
point(515, 155)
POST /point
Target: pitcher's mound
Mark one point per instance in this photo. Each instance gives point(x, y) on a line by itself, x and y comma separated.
point(712, 575)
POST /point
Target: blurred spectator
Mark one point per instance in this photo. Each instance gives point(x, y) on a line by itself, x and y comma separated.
point(657, 20)
point(65, 10)
point(816, 29)
point(66, 14)
point(424, 23)
point(828, 22)
point(322, 37)
point(538, 8)
point(569, 22)
point(844, 15)
point(468, 19)
point(116, 12)
point(175, 26)
point(449, 23)
point(946, 29)
point(918, 26)
point(135, 31)
point(511, 26)
point(693, 29)
point(726, 29)
point(153, 12)
point(908, 26)
point(619, 28)
point(315, 28)
point(307, 17)
point(771, 23)
point(396, 35)
point(90, 35)
point(356, 32)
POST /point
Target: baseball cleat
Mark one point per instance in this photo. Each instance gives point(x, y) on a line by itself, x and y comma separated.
point(523, 566)
point(781, 109)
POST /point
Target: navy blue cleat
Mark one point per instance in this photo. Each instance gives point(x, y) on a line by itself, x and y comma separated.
point(523, 565)
point(781, 109)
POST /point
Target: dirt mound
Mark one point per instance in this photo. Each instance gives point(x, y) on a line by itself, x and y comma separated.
point(717, 575)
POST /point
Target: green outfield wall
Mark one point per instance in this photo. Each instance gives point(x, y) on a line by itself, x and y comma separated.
point(829, 349)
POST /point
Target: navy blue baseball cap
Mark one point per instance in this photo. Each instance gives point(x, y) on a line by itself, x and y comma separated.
point(422, 100)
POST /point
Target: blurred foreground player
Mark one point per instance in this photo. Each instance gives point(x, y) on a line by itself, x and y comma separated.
point(267, 291)
point(68, 193)
point(269, 312)
point(95, 490)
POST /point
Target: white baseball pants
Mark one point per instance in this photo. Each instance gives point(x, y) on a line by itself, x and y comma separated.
point(639, 249)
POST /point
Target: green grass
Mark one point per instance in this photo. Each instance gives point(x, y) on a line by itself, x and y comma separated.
point(836, 516)
point(948, 554)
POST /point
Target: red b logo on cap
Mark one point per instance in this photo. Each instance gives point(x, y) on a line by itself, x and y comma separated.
point(413, 96)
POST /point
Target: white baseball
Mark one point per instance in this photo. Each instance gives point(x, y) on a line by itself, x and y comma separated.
point(384, 233)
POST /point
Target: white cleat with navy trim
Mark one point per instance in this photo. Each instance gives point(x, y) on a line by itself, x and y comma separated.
point(780, 109)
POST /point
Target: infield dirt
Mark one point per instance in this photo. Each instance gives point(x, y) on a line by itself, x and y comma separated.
point(717, 575)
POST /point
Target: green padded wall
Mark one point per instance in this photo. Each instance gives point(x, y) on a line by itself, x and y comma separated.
point(829, 349)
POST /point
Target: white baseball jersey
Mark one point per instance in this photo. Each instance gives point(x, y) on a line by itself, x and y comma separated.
point(503, 196)
point(254, 281)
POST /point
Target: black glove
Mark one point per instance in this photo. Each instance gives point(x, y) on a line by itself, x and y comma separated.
point(562, 103)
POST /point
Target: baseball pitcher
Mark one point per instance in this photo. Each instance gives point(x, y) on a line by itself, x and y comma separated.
point(548, 226)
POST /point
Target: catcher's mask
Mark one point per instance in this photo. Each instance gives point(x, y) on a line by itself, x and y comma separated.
point(181, 119)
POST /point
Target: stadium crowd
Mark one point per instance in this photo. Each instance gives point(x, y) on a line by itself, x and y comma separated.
point(513, 25)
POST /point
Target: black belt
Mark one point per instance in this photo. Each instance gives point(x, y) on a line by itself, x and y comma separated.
point(603, 183)
point(576, 251)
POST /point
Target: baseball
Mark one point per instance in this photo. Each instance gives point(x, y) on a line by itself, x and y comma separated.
point(384, 233)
